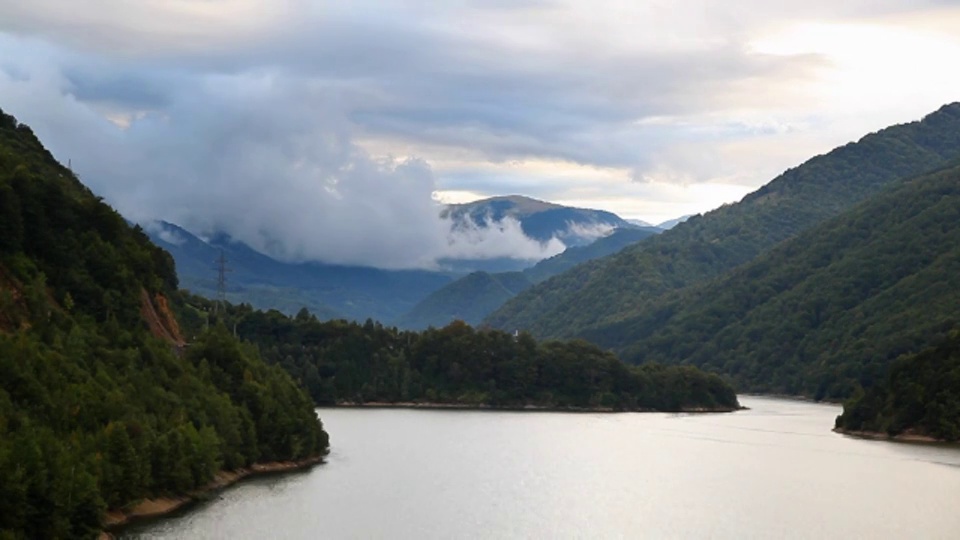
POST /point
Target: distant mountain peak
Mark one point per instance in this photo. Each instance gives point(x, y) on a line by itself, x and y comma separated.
point(539, 220)
point(521, 203)
point(671, 223)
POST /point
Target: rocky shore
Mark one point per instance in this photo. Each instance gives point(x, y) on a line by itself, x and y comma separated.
point(152, 508)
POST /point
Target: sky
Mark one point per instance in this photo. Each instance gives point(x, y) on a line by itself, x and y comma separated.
point(318, 130)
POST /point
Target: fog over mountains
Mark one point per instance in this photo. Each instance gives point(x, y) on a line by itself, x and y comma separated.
point(514, 227)
point(501, 234)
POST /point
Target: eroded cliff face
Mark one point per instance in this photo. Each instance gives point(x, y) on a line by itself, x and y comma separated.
point(156, 312)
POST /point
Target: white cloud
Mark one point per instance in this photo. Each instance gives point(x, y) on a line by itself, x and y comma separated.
point(495, 239)
point(324, 130)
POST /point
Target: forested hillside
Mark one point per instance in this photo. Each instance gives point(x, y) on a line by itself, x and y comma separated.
point(473, 297)
point(704, 247)
point(920, 396)
point(469, 299)
point(340, 361)
point(97, 408)
point(824, 313)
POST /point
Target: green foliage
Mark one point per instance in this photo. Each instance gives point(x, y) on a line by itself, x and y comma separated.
point(95, 412)
point(628, 284)
point(920, 395)
point(822, 314)
point(344, 361)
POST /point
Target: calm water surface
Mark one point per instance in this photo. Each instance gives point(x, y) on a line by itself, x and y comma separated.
point(775, 471)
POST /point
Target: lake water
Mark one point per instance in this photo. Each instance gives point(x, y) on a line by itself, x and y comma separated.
point(775, 471)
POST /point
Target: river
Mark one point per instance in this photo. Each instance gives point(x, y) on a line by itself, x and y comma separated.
point(774, 471)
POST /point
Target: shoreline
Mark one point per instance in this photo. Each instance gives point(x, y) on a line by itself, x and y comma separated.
point(794, 397)
point(515, 408)
point(880, 436)
point(161, 506)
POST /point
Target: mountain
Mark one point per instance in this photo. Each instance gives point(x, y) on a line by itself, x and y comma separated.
point(822, 314)
point(539, 220)
point(468, 299)
point(329, 291)
point(607, 245)
point(628, 284)
point(101, 402)
point(640, 223)
point(359, 293)
point(473, 297)
point(671, 223)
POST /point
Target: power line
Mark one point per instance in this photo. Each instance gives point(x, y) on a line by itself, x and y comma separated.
point(222, 270)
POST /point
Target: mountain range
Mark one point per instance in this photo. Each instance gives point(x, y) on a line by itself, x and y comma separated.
point(358, 293)
point(811, 285)
point(610, 290)
point(840, 279)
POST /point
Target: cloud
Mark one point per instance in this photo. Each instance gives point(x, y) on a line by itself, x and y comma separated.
point(577, 232)
point(171, 236)
point(496, 239)
point(221, 155)
point(320, 130)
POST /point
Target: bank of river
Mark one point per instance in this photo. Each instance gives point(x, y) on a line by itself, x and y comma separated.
point(773, 471)
point(901, 437)
point(488, 407)
point(163, 506)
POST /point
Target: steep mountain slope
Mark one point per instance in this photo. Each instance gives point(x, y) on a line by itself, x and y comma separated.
point(99, 404)
point(473, 297)
point(330, 291)
point(704, 247)
point(573, 256)
point(824, 313)
point(539, 220)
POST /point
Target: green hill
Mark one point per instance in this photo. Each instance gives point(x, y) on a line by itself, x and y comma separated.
point(920, 396)
point(341, 361)
point(627, 284)
point(468, 299)
point(824, 313)
point(473, 297)
point(100, 406)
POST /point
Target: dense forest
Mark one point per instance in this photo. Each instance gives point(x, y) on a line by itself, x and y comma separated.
point(100, 406)
point(824, 313)
point(705, 247)
point(920, 395)
point(341, 361)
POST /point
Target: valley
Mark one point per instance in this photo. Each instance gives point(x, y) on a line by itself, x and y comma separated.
point(479, 270)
